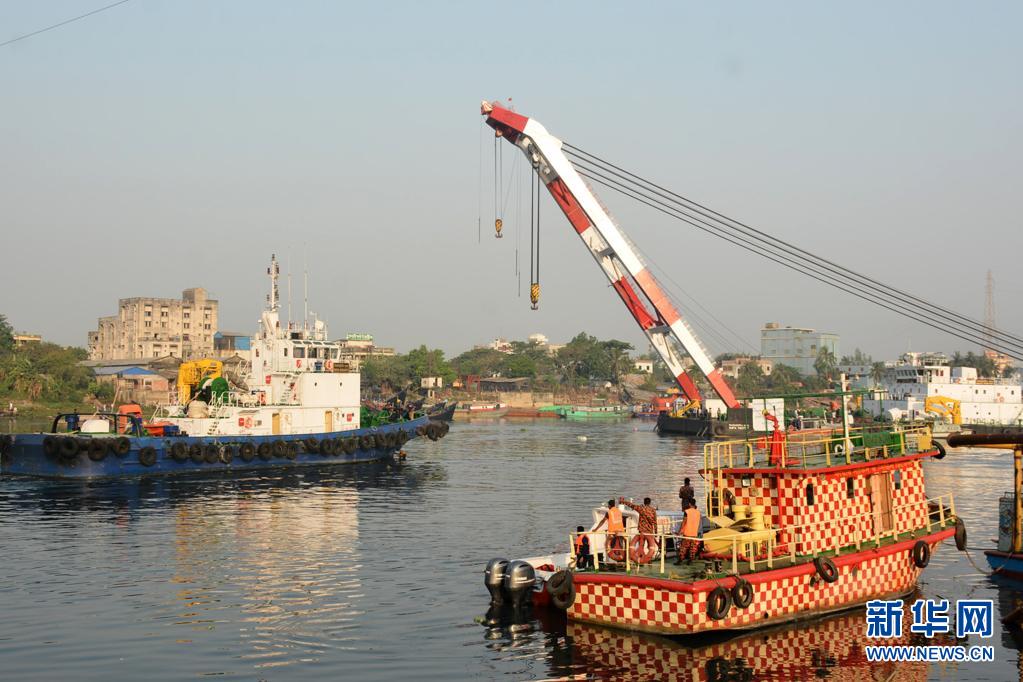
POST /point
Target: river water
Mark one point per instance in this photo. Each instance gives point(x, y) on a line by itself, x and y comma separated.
point(374, 572)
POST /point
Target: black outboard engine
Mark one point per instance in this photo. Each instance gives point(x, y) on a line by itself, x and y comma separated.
point(519, 579)
point(493, 578)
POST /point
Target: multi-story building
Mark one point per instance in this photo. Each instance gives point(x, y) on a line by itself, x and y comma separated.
point(795, 346)
point(730, 367)
point(355, 348)
point(145, 328)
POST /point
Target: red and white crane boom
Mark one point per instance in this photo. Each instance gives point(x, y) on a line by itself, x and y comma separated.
point(612, 250)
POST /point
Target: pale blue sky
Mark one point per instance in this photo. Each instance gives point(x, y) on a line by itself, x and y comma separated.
point(162, 145)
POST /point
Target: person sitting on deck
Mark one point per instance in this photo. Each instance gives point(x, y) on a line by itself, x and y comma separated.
point(688, 543)
point(647, 515)
point(583, 558)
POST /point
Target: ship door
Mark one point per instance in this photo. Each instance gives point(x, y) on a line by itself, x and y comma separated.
point(276, 423)
point(881, 502)
point(328, 422)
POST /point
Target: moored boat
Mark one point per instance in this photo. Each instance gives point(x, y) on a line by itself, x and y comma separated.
point(596, 412)
point(298, 405)
point(793, 530)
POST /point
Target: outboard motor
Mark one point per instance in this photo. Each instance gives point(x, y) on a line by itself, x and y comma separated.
point(493, 578)
point(519, 579)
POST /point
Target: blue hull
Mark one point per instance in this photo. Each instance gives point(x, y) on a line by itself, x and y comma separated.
point(1005, 564)
point(27, 456)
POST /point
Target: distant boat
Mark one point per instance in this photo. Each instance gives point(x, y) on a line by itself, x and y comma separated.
point(471, 410)
point(442, 411)
point(597, 412)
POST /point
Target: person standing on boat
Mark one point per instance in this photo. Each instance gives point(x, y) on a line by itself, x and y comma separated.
point(686, 494)
point(583, 558)
point(615, 526)
point(647, 515)
point(689, 543)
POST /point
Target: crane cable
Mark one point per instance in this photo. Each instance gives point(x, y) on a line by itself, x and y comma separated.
point(761, 250)
point(790, 251)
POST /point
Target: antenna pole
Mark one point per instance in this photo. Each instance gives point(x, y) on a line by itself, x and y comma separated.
point(305, 288)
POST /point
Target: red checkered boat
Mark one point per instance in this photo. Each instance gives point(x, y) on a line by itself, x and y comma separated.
point(793, 530)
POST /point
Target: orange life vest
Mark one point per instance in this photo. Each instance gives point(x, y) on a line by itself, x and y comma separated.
point(580, 540)
point(691, 526)
point(614, 520)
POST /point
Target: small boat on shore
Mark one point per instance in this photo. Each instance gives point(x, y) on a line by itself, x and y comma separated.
point(485, 410)
point(792, 530)
point(581, 412)
point(299, 406)
point(442, 412)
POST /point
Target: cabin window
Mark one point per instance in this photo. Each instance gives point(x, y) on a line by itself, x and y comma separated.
point(850, 488)
point(314, 353)
point(809, 494)
point(300, 352)
point(897, 479)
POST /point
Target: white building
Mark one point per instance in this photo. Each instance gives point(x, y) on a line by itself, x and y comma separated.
point(795, 346)
point(644, 366)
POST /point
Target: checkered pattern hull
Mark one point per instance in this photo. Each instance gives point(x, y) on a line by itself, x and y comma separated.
point(782, 595)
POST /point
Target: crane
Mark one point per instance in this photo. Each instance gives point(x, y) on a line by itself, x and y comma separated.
point(642, 294)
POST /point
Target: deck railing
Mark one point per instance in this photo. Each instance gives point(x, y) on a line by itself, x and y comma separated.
point(811, 450)
point(756, 550)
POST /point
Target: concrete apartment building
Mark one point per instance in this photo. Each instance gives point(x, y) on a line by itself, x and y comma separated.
point(146, 328)
point(795, 346)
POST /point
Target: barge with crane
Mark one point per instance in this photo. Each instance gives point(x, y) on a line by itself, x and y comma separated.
point(794, 528)
point(298, 405)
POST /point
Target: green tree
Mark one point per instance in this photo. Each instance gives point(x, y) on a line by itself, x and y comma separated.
point(618, 359)
point(6, 335)
point(825, 364)
point(751, 379)
point(877, 370)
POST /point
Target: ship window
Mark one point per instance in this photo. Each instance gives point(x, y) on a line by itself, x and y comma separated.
point(314, 353)
point(300, 352)
point(897, 479)
point(285, 351)
point(850, 489)
point(809, 494)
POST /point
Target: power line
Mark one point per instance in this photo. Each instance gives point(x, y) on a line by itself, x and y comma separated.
point(760, 250)
point(63, 23)
point(790, 250)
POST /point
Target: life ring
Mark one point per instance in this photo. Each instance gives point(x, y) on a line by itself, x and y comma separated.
point(941, 450)
point(642, 548)
point(718, 603)
point(280, 448)
point(960, 535)
point(742, 593)
point(226, 454)
point(921, 554)
point(195, 453)
point(616, 548)
point(68, 447)
point(265, 451)
point(329, 365)
point(147, 456)
point(97, 450)
point(246, 452)
point(826, 569)
point(210, 453)
point(51, 446)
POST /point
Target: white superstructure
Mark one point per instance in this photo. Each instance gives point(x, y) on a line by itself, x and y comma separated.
point(296, 384)
point(905, 388)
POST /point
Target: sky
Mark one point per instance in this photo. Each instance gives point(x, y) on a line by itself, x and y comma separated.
point(166, 144)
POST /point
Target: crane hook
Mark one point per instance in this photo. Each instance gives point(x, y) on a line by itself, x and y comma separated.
point(534, 295)
point(498, 224)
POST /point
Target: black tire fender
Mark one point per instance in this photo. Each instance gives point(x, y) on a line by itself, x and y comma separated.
point(280, 448)
point(68, 447)
point(559, 583)
point(179, 452)
point(265, 451)
point(564, 599)
point(226, 454)
point(941, 450)
point(826, 569)
point(147, 456)
point(51, 445)
point(247, 452)
point(210, 453)
point(290, 449)
point(921, 554)
point(97, 450)
point(718, 602)
point(742, 593)
point(195, 453)
point(960, 535)
point(122, 446)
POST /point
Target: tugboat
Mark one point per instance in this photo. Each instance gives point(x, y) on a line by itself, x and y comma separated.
point(299, 406)
point(794, 529)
